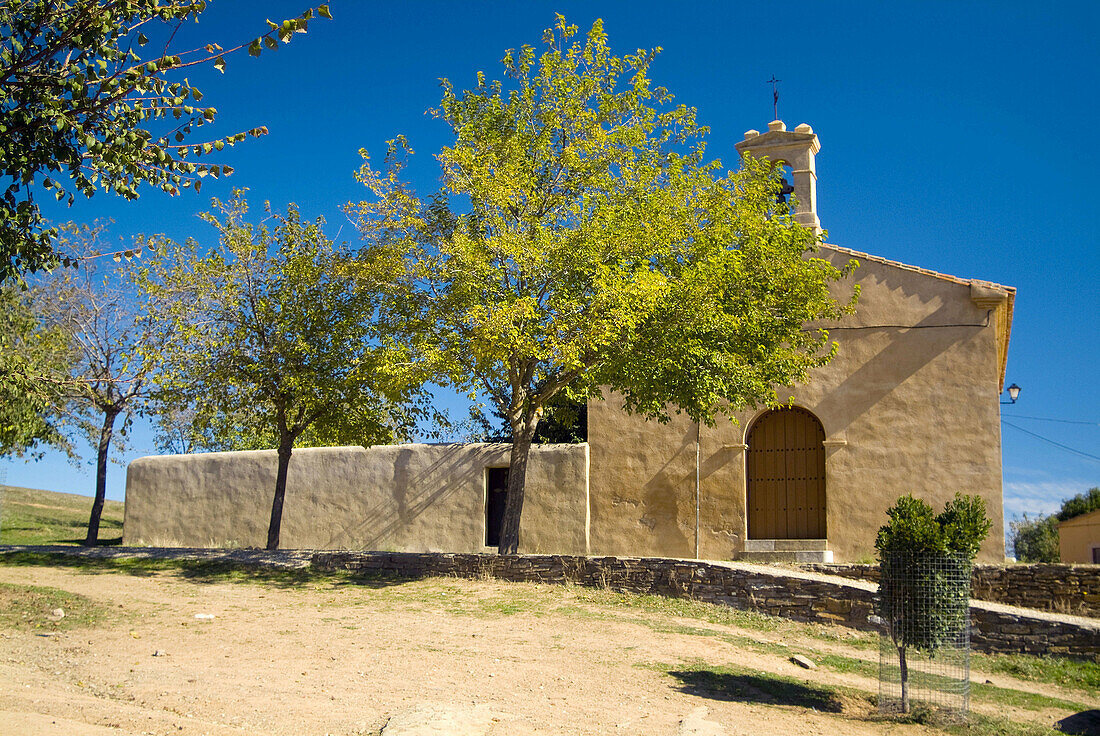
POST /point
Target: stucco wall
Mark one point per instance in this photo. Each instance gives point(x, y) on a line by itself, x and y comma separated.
point(909, 405)
point(414, 498)
point(1078, 536)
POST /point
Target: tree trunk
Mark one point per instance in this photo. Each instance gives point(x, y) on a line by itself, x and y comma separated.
point(286, 445)
point(105, 433)
point(904, 667)
point(523, 434)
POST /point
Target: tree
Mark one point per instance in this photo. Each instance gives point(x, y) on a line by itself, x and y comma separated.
point(274, 342)
point(115, 347)
point(33, 361)
point(924, 565)
point(1080, 504)
point(1035, 539)
point(81, 109)
point(564, 421)
point(581, 239)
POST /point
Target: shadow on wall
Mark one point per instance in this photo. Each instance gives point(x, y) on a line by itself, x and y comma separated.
point(661, 514)
point(412, 491)
point(889, 368)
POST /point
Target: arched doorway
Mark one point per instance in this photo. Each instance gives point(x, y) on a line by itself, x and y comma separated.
point(785, 476)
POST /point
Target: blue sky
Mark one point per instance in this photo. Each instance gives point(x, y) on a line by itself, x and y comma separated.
point(955, 136)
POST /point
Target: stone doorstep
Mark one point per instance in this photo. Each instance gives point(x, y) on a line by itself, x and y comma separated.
point(786, 545)
point(791, 556)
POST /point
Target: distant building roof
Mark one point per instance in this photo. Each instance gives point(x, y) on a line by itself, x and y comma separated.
point(1092, 517)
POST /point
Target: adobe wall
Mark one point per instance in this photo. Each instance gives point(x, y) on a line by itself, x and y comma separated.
point(1077, 537)
point(414, 498)
point(910, 404)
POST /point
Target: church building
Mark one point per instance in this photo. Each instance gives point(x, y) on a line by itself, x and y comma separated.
point(910, 404)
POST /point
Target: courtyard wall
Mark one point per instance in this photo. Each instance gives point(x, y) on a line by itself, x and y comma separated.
point(411, 498)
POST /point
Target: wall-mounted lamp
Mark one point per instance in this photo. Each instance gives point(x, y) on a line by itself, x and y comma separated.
point(1013, 394)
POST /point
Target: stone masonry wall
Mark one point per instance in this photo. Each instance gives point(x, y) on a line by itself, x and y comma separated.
point(793, 595)
point(789, 593)
point(1072, 589)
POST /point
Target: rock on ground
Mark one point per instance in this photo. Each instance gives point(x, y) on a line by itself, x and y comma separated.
point(696, 724)
point(440, 720)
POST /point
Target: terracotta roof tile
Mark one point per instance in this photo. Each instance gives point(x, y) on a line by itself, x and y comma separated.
point(918, 269)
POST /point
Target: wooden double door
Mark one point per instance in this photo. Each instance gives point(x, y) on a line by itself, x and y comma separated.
point(785, 476)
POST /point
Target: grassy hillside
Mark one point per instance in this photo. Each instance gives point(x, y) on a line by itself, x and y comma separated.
point(29, 516)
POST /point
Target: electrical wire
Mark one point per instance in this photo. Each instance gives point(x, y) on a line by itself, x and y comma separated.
point(905, 327)
point(1052, 419)
point(1067, 448)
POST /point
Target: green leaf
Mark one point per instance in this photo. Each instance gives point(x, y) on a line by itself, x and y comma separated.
point(323, 11)
point(572, 247)
point(68, 62)
point(284, 278)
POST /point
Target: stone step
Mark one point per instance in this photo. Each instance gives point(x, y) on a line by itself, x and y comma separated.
point(786, 545)
point(792, 556)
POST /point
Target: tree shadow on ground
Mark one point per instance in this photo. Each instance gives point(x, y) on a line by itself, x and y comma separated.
point(205, 571)
point(747, 687)
point(1084, 723)
point(79, 541)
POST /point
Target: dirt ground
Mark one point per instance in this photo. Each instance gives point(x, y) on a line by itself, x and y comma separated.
point(181, 656)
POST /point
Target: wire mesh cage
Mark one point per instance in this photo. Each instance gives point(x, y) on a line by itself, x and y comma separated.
point(924, 652)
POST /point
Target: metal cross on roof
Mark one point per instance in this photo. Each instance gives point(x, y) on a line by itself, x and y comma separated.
point(775, 95)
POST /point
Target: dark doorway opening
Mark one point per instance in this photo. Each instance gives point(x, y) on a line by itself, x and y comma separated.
point(496, 496)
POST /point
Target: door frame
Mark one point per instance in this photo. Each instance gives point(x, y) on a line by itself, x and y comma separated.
point(820, 523)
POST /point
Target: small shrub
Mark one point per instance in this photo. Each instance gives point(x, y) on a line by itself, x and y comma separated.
point(925, 563)
point(912, 527)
